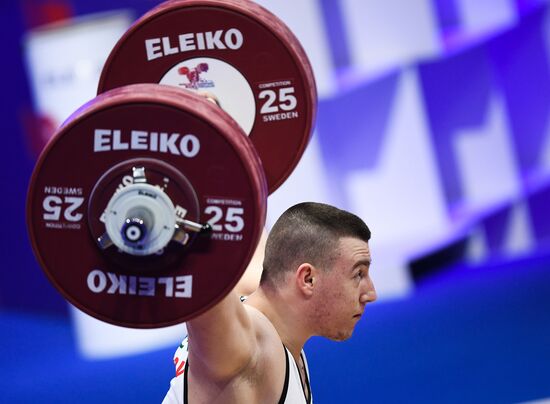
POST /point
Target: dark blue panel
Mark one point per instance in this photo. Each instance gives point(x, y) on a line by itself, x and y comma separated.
point(447, 14)
point(352, 125)
point(138, 7)
point(351, 129)
point(22, 284)
point(336, 35)
point(520, 59)
point(495, 226)
point(539, 205)
point(527, 6)
point(42, 366)
point(457, 91)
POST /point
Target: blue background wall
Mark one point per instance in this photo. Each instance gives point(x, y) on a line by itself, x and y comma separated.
point(474, 325)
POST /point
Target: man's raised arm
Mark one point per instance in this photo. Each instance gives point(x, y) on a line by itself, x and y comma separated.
point(222, 341)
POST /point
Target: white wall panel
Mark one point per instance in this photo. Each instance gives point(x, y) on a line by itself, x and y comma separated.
point(305, 20)
point(383, 34)
point(486, 15)
point(486, 160)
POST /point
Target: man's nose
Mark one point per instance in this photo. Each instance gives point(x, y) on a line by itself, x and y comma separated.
point(369, 295)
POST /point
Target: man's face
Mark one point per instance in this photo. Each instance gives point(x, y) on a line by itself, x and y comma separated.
point(344, 290)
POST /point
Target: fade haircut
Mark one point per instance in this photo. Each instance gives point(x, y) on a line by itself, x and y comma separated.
point(308, 232)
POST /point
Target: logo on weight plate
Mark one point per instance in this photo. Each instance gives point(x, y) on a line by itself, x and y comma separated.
point(193, 76)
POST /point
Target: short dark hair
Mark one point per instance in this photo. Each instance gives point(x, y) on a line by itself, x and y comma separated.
point(308, 232)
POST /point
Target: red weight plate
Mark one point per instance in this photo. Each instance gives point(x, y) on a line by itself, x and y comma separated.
point(237, 51)
point(217, 178)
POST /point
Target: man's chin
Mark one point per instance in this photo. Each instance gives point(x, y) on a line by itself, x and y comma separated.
point(341, 336)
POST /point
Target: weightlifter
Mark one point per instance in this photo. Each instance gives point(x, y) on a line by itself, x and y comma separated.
point(315, 281)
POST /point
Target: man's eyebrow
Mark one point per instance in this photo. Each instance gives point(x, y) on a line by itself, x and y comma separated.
point(366, 262)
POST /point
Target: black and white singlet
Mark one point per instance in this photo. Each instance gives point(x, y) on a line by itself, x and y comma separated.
point(293, 389)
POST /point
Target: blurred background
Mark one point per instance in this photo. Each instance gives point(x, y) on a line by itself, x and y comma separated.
point(433, 125)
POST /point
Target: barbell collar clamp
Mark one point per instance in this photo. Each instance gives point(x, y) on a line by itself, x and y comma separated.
point(194, 227)
point(138, 173)
point(104, 241)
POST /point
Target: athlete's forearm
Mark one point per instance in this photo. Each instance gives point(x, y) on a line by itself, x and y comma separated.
point(251, 277)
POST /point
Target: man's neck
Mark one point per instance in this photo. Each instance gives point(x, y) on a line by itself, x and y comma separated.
point(285, 316)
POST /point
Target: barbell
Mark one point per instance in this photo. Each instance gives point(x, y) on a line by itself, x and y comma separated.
point(146, 206)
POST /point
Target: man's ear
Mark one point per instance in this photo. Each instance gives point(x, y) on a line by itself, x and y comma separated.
point(306, 276)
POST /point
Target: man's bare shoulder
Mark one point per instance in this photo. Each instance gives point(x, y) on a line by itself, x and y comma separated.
point(265, 331)
point(263, 379)
point(269, 365)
